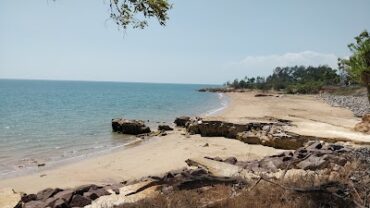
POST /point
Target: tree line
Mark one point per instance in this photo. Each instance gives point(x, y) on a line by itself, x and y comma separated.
point(295, 79)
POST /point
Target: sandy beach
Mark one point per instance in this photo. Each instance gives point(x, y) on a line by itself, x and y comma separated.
point(157, 155)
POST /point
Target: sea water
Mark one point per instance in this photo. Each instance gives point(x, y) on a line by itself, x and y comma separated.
point(49, 121)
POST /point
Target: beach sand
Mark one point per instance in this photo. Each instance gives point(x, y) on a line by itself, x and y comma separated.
point(161, 154)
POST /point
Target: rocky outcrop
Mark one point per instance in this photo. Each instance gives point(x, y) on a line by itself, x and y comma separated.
point(270, 134)
point(317, 155)
point(133, 127)
point(59, 198)
point(364, 125)
point(181, 121)
point(316, 159)
point(274, 136)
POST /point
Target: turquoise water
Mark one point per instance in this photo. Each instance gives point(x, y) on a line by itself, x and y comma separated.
point(48, 121)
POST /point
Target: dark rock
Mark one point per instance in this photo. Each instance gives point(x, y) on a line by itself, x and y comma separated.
point(181, 121)
point(60, 203)
point(28, 197)
point(133, 127)
point(47, 193)
point(312, 163)
point(314, 145)
point(198, 172)
point(335, 147)
point(262, 95)
point(85, 188)
point(79, 201)
point(66, 195)
point(164, 128)
point(41, 165)
point(231, 160)
point(94, 194)
point(34, 204)
point(206, 145)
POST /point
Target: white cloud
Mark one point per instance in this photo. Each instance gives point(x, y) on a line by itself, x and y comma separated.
point(263, 65)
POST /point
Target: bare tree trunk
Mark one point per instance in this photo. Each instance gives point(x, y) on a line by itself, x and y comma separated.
point(366, 80)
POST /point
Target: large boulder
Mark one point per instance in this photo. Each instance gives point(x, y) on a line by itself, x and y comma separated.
point(181, 121)
point(364, 125)
point(133, 127)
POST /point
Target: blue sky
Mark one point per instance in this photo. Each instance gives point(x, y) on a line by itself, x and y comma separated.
point(205, 41)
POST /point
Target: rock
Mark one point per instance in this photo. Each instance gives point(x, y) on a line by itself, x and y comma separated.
point(41, 165)
point(28, 197)
point(364, 125)
point(231, 160)
point(262, 95)
point(94, 194)
point(164, 128)
point(248, 137)
point(312, 163)
point(34, 204)
point(181, 121)
point(85, 188)
point(133, 127)
point(47, 193)
point(60, 203)
point(206, 145)
point(314, 145)
point(267, 134)
point(213, 128)
point(79, 201)
point(66, 195)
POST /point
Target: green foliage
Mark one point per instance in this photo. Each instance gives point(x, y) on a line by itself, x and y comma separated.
point(136, 12)
point(296, 79)
point(358, 64)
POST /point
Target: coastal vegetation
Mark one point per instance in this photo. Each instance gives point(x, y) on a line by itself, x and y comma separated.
point(296, 79)
point(358, 64)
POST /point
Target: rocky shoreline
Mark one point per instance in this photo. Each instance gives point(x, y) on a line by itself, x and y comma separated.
point(325, 162)
point(359, 105)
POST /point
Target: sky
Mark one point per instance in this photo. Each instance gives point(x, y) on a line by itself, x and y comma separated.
point(205, 41)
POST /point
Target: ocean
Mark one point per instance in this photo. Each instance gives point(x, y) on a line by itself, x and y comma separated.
point(53, 121)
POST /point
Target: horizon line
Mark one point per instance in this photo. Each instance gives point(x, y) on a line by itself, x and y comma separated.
point(111, 81)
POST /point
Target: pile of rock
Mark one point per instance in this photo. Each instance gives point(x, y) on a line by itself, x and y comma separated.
point(133, 127)
point(316, 155)
point(364, 125)
point(59, 198)
point(359, 105)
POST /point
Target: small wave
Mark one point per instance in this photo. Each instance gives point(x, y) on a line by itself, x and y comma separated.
point(224, 103)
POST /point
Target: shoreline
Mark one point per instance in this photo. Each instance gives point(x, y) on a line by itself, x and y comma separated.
point(162, 154)
point(134, 141)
